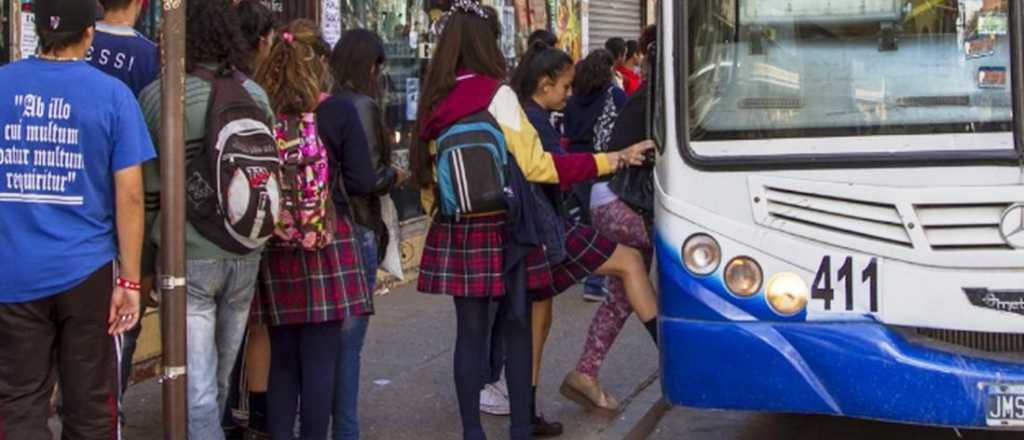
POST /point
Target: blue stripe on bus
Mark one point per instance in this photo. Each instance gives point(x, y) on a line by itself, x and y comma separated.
point(857, 369)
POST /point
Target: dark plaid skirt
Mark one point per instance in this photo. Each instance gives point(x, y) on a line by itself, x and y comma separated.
point(307, 287)
point(464, 259)
point(586, 250)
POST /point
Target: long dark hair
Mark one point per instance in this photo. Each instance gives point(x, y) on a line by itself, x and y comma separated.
point(468, 42)
point(353, 62)
point(256, 22)
point(541, 61)
point(594, 73)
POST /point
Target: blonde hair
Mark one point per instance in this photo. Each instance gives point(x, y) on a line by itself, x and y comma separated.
point(293, 73)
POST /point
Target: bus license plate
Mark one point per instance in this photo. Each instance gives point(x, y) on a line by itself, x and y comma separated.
point(846, 284)
point(1005, 405)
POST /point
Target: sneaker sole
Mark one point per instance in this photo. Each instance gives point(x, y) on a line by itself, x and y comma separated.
point(582, 400)
point(493, 412)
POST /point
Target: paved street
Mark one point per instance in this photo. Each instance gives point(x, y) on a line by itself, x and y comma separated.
point(407, 388)
point(408, 392)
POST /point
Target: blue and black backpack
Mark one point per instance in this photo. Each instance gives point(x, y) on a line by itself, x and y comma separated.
point(472, 167)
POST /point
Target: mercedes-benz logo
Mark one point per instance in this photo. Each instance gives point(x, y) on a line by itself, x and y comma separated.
point(1012, 226)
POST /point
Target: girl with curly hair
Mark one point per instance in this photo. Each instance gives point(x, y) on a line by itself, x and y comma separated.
point(307, 292)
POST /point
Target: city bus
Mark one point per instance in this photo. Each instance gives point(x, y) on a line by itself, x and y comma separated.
point(840, 208)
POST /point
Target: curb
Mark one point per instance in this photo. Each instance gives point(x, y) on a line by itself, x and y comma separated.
point(644, 409)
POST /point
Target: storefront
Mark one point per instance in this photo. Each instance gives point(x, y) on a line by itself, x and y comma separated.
point(19, 30)
point(614, 18)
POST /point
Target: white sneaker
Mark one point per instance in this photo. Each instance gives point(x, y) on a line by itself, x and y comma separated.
point(494, 400)
point(502, 387)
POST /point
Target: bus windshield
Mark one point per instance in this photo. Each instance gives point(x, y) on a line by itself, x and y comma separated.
point(769, 69)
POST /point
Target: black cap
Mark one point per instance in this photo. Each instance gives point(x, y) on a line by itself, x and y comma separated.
point(66, 15)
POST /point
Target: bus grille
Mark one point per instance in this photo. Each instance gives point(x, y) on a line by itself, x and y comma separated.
point(953, 227)
point(879, 222)
point(998, 343)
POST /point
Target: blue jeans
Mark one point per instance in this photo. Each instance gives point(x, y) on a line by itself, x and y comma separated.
point(219, 295)
point(353, 333)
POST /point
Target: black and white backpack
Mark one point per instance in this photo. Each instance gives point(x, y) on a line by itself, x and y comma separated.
point(233, 185)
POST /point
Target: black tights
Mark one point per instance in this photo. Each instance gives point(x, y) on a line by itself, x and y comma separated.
point(471, 340)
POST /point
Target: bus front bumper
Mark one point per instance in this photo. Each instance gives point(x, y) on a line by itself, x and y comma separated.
point(862, 370)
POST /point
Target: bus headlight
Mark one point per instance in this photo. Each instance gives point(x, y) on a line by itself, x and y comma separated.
point(743, 276)
point(787, 293)
point(701, 254)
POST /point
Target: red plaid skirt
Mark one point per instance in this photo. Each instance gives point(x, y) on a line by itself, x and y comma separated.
point(306, 287)
point(586, 249)
point(464, 259)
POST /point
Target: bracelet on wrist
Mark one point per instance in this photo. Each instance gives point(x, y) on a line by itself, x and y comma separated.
point(130, 285)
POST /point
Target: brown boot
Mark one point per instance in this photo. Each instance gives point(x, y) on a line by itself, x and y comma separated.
point(585, 391)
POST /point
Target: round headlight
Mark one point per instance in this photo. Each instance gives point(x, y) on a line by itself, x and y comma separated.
point(743, 276)
point(787, 293)
point(701, 254)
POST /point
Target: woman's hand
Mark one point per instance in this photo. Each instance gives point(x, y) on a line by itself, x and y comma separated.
point(635, 155)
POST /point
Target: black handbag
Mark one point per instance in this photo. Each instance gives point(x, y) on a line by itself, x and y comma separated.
point(635, 187)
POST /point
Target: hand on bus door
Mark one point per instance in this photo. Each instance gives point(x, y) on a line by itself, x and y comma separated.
point(635, 155)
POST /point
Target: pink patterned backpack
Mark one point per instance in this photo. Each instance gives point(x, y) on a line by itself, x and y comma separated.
point(307, 213)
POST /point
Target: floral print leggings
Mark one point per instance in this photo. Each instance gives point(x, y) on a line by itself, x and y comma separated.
point(618, 222)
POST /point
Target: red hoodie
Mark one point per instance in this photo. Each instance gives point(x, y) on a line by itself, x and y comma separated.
point(630, 80)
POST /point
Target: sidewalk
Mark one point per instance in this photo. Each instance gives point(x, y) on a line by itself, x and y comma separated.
point(407, 387)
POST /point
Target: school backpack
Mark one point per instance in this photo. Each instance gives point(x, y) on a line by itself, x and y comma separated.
point(472, 166)
point(307, 212)
point(232, 184)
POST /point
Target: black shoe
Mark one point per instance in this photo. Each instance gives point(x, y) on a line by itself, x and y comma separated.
point(543, 428)
point(234, 433)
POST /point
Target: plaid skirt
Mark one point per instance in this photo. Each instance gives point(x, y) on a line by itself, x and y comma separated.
point(296, 286)
point(465, 259)
point(586, 249)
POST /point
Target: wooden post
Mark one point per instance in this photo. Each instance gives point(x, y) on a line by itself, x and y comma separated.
point(172, 221)
point(15, 31)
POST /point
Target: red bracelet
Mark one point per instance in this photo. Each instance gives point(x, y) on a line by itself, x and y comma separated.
point(130, 285)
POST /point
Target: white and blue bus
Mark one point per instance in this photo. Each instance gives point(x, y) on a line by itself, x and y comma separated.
point(840, 208)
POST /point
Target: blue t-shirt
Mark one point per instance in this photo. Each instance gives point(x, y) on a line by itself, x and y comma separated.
point(65, 129)
point(125, 54)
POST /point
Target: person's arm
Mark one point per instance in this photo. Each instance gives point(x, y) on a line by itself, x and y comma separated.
point(370, 119)
point(338, 123)
point(132, 146)
point(540, 166)
point(130, 214)
point(130, 219)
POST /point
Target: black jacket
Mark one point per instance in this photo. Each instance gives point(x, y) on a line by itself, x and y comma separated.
point(339, 129)
point(366, 208)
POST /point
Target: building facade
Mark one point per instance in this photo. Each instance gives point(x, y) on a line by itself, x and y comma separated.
point(614, 18)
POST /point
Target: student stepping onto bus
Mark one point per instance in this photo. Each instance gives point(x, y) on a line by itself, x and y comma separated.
point(543, 82)
point(465, 251)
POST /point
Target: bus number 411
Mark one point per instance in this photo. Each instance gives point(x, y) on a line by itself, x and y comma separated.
point(822, 286)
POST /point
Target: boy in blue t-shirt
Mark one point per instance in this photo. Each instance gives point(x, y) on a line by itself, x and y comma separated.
point(72, 141)
point(121, 52)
